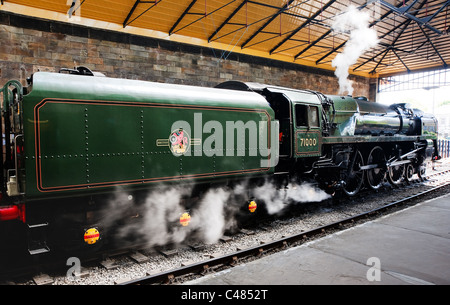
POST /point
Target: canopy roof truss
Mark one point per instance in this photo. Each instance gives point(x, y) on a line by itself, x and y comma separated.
point(413, 35)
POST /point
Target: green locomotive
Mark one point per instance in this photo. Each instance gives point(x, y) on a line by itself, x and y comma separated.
point(72, 138)
point(346, 142)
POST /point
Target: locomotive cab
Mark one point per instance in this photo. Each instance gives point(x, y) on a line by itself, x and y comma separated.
point(300, 116)
point(298, 112)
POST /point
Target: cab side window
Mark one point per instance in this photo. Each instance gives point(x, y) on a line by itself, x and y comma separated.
point(307, 116)
point(314, 117)
point(301, 115)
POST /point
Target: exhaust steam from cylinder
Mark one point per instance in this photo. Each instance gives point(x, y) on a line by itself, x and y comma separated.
point(215, 212)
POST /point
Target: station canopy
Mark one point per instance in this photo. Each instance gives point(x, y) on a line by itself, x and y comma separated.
point(412, 35)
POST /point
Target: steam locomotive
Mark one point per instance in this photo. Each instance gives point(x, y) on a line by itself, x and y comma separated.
point(73, 138)
point(347, 142)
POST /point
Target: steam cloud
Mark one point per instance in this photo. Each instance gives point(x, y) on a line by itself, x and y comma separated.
point(276, 200)
point(159, 213)
point(215, 211)
point(361, 39)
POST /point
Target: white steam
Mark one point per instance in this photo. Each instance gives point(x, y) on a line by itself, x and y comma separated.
point(276, 200)
point(209, 218)
point(155, 216)
point(361, 39)
point(161, 210)
point(155, 219)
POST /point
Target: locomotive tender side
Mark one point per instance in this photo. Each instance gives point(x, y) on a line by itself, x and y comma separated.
point(84, 133)
point(84, 136)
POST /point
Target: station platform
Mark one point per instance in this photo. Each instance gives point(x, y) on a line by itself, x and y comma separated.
point(411, 246)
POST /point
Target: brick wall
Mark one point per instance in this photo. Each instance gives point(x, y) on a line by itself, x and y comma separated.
point(29, 45)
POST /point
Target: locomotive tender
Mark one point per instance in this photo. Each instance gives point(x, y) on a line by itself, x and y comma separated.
point(72, 138)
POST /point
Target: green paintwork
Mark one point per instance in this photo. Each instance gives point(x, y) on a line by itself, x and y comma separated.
point(379, 139)
point(344, 117)
point(308, 142)
point(307, 139)
point(353, 119)
point(86, 134)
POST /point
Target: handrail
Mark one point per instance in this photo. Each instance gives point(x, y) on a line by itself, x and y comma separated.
point(7, 92)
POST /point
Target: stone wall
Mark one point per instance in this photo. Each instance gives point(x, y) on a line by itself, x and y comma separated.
point(29, 45)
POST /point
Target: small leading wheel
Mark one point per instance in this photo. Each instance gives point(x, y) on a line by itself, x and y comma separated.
point(396, 174)
point(409, 172)
point(355, 176)
point(375, 175)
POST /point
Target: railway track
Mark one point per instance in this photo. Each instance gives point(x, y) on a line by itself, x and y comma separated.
point(232, 259)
